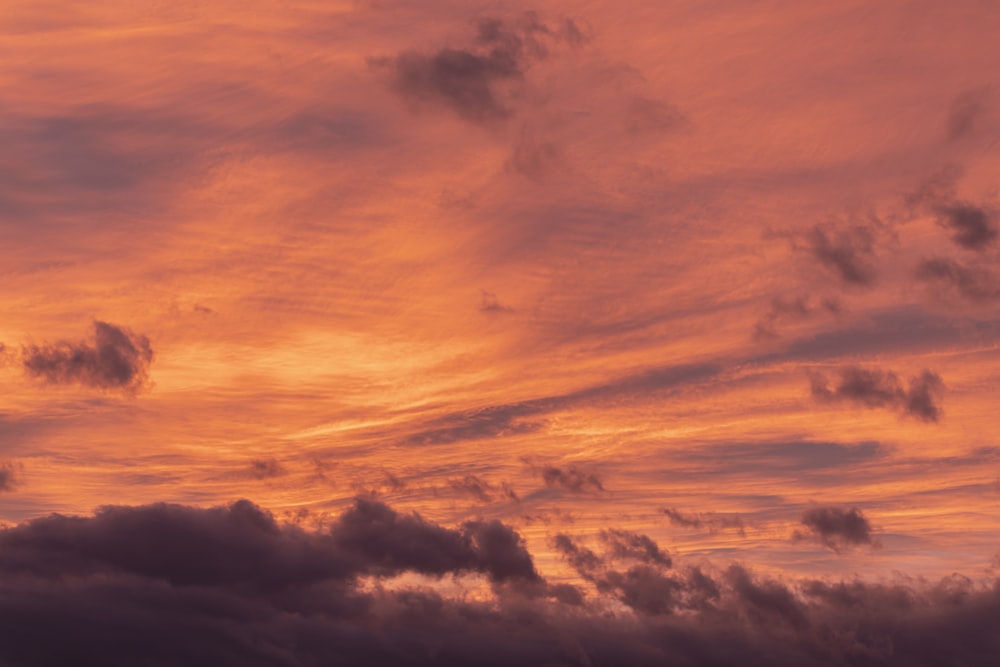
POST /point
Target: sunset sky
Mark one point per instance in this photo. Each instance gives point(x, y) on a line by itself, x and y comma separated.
point(387, 325)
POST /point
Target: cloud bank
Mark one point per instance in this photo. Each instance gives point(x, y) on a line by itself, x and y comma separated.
point(169, 584)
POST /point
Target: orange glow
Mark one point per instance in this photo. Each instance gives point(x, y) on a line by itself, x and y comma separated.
point(354, 288)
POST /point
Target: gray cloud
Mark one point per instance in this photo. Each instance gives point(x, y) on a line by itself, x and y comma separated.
point(838, 528)
point(265, 469)
point(847, 252)
point(711, 521)
point(468, 80)
point(972, 226)
point(572, 479)
point(117, 359)
point(164, 585)
point(9, 474)
point(876, 388)
point(785, 309)
point(482, 490)
point(975, 284)
point(490, 422)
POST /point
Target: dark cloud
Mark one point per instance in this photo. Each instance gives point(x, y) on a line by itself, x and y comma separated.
point(785, 309)
point(838, 528)
point(909, 328)
point(583, 560)
point(9, 474)
point(469, 80)
point(645, 588)
point(390, 543)
point(626, 544)
point(117, 359)
point(766, 600)
point(876, 388)
point(166, 585)
point(848, 252)
point(472, 485)
point(265, 469)
point(482, 490)
point(490, 422)
point(975, 284)
point(572, 479)
point(972, 227)
point(965, 112)
point(711, 521)
point(921, 397)
point(242, 543)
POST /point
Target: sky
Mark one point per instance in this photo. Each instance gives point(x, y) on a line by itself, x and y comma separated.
point(482, 333)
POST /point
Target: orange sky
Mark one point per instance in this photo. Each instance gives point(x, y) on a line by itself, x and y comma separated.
point(568, 269)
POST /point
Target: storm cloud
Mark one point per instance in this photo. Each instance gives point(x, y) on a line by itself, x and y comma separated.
point(8, 476)
point(624, 544)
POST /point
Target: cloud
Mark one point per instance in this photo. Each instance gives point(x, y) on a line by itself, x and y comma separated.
point(784, 309)
point(876, 388)
point(572, 479)
point(482, 490)
point(848, 252)
point(8, 476)
point(117, 359)
point(965, 112)
point(489, 303)
point(242, 543)
point(169, 584)
point(490, 422)
point(838, 528)
point(624, 544)
point(921, 398)
point(583, 560)
point(711, 521)
point(975, 284)
point(766, 600)
point(265, 469)
point(390, 543)
point(469, 80)
point(972, 226)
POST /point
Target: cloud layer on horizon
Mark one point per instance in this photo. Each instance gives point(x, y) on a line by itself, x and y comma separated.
point(162, 584)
